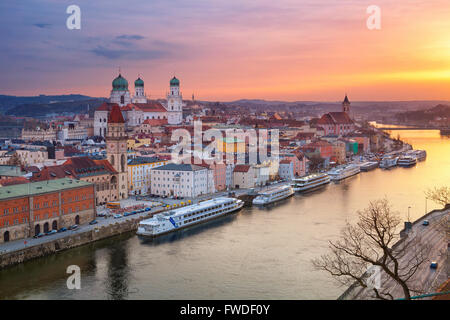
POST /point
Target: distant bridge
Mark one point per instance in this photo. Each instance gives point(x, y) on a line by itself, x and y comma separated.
point(411, 128)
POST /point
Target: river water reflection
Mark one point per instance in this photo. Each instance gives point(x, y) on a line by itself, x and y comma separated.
point(254, 254)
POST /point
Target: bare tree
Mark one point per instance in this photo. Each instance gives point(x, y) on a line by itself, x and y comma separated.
point(374, 242)
point(440, 195)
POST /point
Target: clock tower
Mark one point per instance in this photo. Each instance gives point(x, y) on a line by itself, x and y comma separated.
point(116, 151)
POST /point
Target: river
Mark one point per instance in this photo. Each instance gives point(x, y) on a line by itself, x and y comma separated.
point(254, 254)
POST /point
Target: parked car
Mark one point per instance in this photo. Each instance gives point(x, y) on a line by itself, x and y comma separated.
point(93, 222)
point(39, 235)
point(426, 222)
point(433, 265)
point(62, 229)
point(147, 209)
point(117, 216)
point(51, 232)
point(126, 214)
point(73, 227)
point(101, 214)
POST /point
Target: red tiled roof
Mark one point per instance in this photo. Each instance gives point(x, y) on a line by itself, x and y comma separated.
point(152, 106)
point(325, 119)
point(241, 168)
point(74, 168)
point(304, 135)
point(341, 118)
point(156, 122)
point(115, 116)
point(130, 107)
point(13, 181)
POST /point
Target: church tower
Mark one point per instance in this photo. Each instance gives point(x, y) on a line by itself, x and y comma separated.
point(174, 102)
point(139, 94)
point(346, 105)
point(116, 151)
point(119, 92)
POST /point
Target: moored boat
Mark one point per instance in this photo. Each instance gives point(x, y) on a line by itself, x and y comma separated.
point(407, 161)
point(180, 218)
point(310, 182)
point(343, 172)
point(420, 155)
point(369, 165)
point(388, 162)
point(273, 195)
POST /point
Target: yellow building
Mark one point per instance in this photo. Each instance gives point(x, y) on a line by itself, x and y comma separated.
point(134, 143)
point(339, 153)
point(139, 173)
point(231, 145)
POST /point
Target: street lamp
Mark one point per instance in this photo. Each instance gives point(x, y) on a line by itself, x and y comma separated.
point(408, 214)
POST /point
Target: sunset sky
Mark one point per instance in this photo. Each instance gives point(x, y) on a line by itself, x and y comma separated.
point(223, 50)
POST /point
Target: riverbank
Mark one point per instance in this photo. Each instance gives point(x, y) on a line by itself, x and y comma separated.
point(16, 252)
point(70, 240)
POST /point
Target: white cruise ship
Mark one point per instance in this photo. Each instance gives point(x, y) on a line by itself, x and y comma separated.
point(273, 195)
point(420, 155)
point(311, 182)
point(407, 161)
point(388, 162)
point(343, 172)
point(180, 218)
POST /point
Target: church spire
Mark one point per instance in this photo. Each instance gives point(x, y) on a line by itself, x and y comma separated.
point(346, 105)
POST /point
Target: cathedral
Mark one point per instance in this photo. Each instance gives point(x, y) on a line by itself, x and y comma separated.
point(137, 108)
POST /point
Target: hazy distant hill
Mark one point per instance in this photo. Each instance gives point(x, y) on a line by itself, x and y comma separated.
point(43, 105)
point(424, 116)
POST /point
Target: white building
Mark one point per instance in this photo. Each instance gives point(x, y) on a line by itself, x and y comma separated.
point(174, 102)
point(286, 169)
point(185, 180)
point(139, 174)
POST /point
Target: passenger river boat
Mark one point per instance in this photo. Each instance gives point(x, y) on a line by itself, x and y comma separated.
point(310, 182)
point(180, 218)
point(388, 162)
point(273, 195)
point(407, 161)
point(343, 172)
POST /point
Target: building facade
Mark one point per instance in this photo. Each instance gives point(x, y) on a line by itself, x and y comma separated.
point(32, 208)
point(185, 180)
point(139, 174)
point(116, 149)
point(137, 109)
point(338, 123)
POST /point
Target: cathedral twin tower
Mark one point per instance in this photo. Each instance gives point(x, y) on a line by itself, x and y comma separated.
point(173, 109)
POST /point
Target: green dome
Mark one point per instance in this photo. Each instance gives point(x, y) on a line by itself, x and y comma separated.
point(120, 83)
point(139, 82)
point(174, 82)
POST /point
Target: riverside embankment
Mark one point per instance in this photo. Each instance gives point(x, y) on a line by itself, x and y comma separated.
point(70, 240)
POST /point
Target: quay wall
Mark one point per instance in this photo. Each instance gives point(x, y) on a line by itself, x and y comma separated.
point(70, 241)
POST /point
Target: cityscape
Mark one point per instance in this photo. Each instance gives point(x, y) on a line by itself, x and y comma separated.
point(139, 176)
